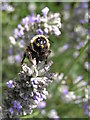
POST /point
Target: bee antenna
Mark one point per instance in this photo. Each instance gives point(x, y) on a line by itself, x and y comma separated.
point(51, 41)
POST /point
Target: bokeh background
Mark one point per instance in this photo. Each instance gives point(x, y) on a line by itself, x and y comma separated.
point(69, 55)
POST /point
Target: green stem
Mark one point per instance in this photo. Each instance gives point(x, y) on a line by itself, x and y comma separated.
point(77, 59)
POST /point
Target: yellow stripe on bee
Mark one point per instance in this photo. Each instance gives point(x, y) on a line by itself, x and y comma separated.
point(42, 46)
point(38, 44)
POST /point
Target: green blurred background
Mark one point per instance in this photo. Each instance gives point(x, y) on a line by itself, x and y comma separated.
point(63, 61)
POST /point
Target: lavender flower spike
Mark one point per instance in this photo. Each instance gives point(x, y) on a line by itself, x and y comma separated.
point(28, 91)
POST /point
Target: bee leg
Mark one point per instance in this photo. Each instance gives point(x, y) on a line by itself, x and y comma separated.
point(49, 52)
point(30, 57)
point(24, 56)
point(37, 61)
point(46, 60)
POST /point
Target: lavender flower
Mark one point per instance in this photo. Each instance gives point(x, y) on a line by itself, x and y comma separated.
point(27, 90)
point(32, 25)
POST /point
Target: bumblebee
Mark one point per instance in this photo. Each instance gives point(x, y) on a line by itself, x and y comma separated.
point(37, 49)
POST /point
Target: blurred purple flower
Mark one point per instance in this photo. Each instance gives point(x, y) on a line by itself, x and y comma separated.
point(85, 106)
point(39, 31)
point(43, 112)
point(53, 114)
point(76, 10)
point(20, 33)
point(21, 53)
point(19, 26)
point(25, 20)
point(3, 7)
point(22, 42)
point(45, 11)
point(84, 5)
point(10, 84)
point(65, 91)
point(10, 51)
point(31, 19)
point(11, 110)
point(86, 112)
point(18, 58)
point(82, 21)
point(16, 31)
point(84, 83)
point(79, 78)
point(16, 105)
point(66, 6)
point(65, 46)
point(42, 105)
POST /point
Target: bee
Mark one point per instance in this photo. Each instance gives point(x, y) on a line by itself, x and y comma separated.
point(38, 49)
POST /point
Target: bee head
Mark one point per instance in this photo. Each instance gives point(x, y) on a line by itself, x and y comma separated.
point(40, 42)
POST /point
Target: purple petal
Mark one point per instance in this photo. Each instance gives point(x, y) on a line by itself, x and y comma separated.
point(35, 97)
point(56, 31)
point(10, 84)
point(86, 112)
point(45, 11)
point(22, 42)
point(20, 33)
point(37, 18)
point(66, 6)
point(42, 105)
point(84, 5)
point(10, 51)
point(16, 105)
point(39, 31)
point(17, 58)
point(31, 19)
point(25, 20)
point(15, 32)
point(11, 110)
point(34, 82)
point(3, 7)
